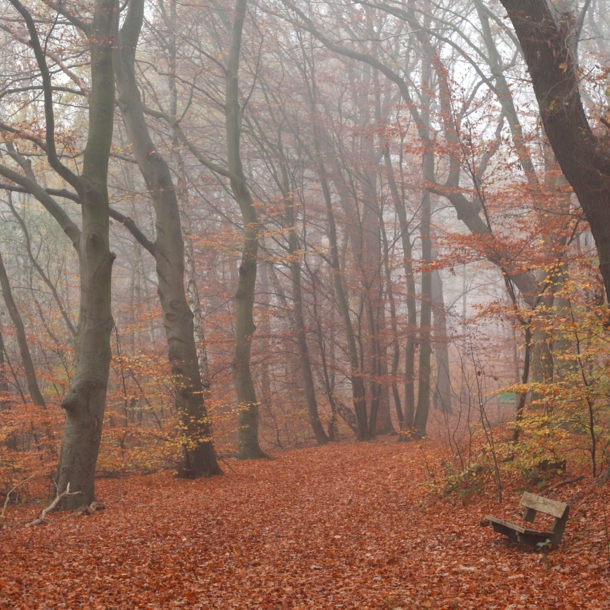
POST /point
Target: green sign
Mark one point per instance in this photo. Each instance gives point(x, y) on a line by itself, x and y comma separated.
point(507, 399)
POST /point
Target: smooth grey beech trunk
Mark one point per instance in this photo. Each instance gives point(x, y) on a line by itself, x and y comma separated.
point(24, 350)
point(86, 400)
point(425, 346)
point(191, 275)
point(199, 455)
point(410, 344)
point(247, 404)
point(394, 327)
point(299, 321)
point(442, 386)
point(358, 388)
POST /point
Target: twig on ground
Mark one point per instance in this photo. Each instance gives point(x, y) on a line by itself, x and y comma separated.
point(8, 495)
point(568, 481)
point(227, 464)
point(53, 504)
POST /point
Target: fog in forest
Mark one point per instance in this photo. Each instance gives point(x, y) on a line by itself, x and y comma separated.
point(232, 229)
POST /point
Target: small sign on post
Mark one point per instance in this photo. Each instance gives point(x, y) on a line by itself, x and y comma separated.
point(507, 399)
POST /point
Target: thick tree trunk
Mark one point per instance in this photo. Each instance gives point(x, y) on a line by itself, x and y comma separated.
point(547, 41)
point(247, 432)
point(86, 400)
point(182, 192)
point(168, 251)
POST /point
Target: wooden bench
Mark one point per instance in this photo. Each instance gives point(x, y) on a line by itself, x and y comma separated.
point(534, 504)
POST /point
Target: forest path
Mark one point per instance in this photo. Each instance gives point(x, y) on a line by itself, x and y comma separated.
point(350, 525)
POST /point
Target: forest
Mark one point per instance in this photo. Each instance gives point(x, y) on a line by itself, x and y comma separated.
point(295, 295)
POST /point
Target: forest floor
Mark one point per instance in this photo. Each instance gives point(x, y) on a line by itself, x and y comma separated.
point(349, 525)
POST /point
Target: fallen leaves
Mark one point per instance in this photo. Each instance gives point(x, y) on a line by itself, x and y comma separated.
point(339, 526)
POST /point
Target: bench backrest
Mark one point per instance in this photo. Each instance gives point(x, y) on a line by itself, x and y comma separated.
point(559, 510)
point(534, 503)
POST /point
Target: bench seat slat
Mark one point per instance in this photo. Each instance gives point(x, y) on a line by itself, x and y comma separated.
point(520, 529)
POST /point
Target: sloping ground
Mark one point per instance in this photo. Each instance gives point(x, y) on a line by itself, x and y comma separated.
point(342, 526)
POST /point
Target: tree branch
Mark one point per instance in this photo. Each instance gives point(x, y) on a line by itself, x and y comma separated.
point(54, 161)
point(40, 520)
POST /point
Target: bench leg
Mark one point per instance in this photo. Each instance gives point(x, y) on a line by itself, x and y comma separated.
point(507, 531)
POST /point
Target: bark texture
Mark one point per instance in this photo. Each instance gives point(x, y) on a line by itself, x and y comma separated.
point(168, 251)
point(24, 350)
point(299, 316)
point(247, 403)
point(86, 400)
point(442, 386)
point(547, 41)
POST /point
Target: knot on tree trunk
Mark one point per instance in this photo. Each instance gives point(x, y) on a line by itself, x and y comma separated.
point(77, 397)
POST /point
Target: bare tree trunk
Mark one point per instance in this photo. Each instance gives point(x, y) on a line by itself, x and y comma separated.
point(425, 346)
point(299, 317)
point(86, 400)
point(168, 251)
point(4, 397)
point(442, 387)
point(265, 335)
point(24, 350)
point(191, 275)
point(192, 278)
point(394, 326)
point(548, 41)
point(328, 376)
point(247, 431)
point(384, 416)
point(358, 389)
point(411, 344)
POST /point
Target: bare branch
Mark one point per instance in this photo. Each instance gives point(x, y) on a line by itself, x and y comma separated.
point(40, 520)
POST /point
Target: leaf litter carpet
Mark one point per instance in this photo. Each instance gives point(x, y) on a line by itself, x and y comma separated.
point(351, 525)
